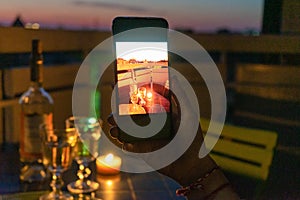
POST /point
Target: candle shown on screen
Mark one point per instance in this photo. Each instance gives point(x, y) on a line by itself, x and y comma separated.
point(108, 164)
point(149, 95)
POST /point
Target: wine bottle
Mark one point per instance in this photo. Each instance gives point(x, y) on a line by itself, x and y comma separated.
point(36, 109)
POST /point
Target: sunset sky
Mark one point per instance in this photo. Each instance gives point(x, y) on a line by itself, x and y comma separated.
point(198, 15)
point(150, 51)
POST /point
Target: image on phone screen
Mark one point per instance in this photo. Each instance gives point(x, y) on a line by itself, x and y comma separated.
point(143, 77)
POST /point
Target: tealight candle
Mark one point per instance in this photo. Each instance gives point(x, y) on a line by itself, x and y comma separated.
point(108, 164)
point(149, 95)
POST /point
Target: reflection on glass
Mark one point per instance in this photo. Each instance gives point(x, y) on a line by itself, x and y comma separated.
point(86, 150)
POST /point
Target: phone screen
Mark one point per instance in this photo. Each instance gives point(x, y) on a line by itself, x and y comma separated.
point(143, 77)
point(142, 73)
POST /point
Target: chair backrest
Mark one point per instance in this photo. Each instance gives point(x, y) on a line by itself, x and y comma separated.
point(243, 150)
point(267, 94)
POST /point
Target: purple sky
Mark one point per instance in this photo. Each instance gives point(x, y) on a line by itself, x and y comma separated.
point(199, 15)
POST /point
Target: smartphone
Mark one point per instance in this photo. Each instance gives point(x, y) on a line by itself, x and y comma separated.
point(142, 73)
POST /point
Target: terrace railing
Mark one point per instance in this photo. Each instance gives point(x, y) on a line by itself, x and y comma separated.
point(65, 50)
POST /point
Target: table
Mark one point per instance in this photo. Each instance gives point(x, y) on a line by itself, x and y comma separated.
point(150, 107)
point(123, 186)
point(125, 109)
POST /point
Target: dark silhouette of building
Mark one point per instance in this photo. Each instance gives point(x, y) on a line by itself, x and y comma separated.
point(18, 22)
point(281, 17)
point(272, 17)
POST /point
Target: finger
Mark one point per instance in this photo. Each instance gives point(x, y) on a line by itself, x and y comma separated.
point(114, 132)
point(178, 85)
point(138, 147)
point(111, 120)
point(144, 146)
point(186, 101)
point(128, 147)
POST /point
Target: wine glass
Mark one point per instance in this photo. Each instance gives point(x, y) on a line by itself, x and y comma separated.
point(58, 146)
point(134, 98)
point(86, 150)
point(142, 94)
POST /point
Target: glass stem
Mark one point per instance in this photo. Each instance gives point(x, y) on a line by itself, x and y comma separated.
point(57, 183)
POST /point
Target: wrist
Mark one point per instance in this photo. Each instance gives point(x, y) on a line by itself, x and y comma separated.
point(204, 180)
point(191, 171)
point(207, 186)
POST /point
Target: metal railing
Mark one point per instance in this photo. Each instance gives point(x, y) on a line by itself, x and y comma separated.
point(226, 50)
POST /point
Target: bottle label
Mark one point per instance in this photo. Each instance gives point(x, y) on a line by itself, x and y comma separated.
point(31, 143)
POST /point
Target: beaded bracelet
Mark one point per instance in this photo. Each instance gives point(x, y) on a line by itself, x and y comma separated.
point(197, 185)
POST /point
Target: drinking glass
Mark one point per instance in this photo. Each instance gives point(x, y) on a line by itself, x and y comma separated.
point(142, 94)
point(58, 146)
point(86, 150)
point(134, 98)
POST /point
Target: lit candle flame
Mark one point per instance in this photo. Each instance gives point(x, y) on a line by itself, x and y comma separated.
point(109, 158)
point(149, 95)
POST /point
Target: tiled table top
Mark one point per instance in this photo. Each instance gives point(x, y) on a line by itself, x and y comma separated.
point(124, 186)
point(137, 186)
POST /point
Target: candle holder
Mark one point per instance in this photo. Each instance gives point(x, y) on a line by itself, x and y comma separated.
point(108, 164)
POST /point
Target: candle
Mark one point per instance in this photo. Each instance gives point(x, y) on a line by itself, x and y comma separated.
point(149, 95)
point(108, 164)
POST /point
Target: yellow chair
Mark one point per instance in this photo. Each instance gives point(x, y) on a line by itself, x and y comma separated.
point(243, 151)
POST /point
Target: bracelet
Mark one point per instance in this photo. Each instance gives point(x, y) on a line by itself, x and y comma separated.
point(197, 185)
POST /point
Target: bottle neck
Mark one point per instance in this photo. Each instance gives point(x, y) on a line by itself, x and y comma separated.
point(36, 84)
point(36, 63)
point(36, 70)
